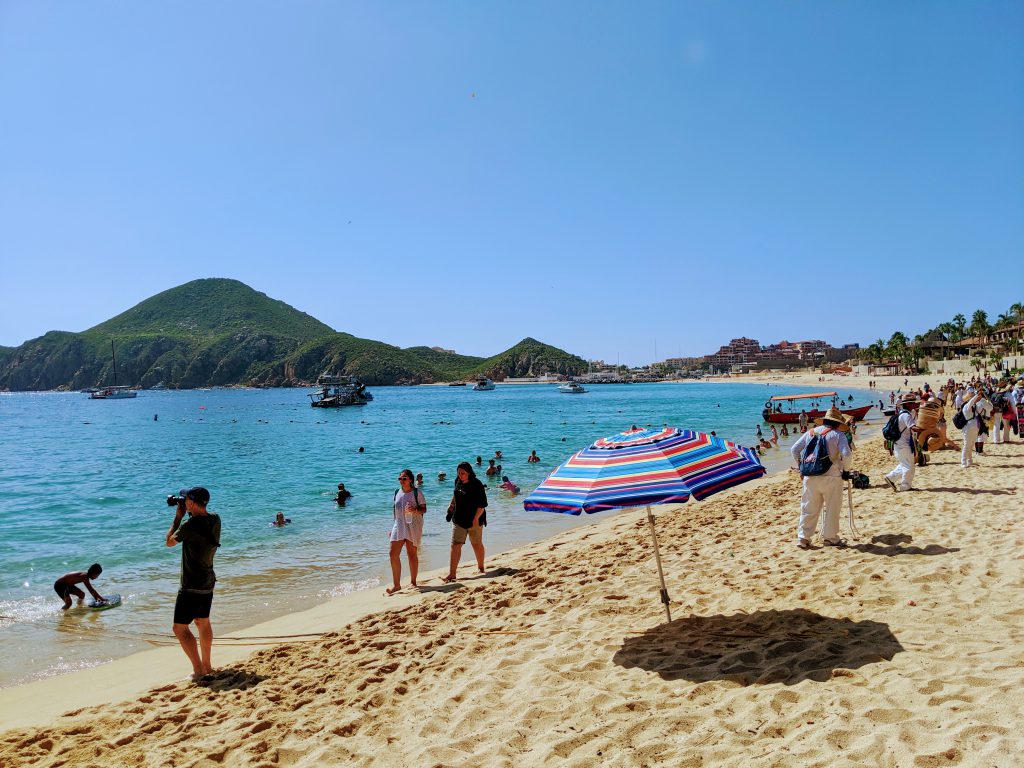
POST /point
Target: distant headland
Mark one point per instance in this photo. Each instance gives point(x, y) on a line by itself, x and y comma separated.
point(221, 332)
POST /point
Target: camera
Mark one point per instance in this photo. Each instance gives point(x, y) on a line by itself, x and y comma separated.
point(173, 501)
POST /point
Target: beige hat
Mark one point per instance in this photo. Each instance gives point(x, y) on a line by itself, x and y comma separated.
point(834, 415)
point(910, 397)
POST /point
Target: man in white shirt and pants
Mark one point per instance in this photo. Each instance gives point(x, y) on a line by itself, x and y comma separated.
point(974, 409)
point(823, 490)
point(902, 477)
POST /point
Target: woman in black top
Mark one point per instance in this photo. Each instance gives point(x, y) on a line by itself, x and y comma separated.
point(468, 513)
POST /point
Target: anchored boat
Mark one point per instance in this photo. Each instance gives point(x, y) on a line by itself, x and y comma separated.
point(774, 414)
point(571, 388)
point(113, 392)
point(335, 391)
point(483, 384)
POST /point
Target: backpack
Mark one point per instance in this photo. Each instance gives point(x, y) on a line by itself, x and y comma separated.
point(815, 460)
point(891, 431)
point(959, 420)
point(417, 496)
point(998, 400)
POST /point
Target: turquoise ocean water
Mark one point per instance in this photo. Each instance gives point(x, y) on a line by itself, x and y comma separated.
point(85, 480)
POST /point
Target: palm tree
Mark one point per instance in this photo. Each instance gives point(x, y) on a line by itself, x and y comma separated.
point(960, 323)
point(996, 358)
point(979, 324)
point(897, 346)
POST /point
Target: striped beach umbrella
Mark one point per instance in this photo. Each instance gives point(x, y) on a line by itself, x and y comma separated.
point(643, 467)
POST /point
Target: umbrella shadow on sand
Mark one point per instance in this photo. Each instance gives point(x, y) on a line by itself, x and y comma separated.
point(757, 648)
point(891, 545)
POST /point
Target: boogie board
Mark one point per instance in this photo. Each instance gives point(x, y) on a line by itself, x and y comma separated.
point(112, 601)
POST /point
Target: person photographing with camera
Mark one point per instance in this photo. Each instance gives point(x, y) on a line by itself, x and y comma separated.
point(199, 537)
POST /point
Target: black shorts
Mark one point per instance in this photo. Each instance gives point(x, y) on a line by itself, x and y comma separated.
point(191, 606)
point(63, 590)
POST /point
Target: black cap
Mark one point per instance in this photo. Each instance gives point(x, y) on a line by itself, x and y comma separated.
point(198, 494)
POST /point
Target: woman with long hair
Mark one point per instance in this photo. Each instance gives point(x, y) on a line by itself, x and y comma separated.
point(467, 512)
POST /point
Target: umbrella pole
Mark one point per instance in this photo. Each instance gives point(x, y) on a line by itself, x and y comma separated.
point(657, 558)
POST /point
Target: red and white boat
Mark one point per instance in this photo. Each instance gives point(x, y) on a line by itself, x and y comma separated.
point(774, 414)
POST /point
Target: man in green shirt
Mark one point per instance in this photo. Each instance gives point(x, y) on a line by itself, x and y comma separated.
point(199, 537)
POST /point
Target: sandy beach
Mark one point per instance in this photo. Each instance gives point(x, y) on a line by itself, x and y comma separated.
point(904, 649)
point(832, 381)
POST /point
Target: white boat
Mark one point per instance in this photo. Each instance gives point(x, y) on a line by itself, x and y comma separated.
point(113, 393)
point(483, 385)
point(571, 388)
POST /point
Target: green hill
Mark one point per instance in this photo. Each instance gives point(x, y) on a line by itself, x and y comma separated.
point(209, 309)
point(531, 357)
point(206, 332)
point(221, 332)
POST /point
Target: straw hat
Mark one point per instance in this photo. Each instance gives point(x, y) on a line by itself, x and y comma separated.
point(910, 397)
point(840, 420)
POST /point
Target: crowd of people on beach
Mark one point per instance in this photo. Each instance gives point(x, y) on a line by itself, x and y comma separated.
point(981, 408)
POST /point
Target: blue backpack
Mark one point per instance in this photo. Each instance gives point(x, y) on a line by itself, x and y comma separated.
point(815, 460)
point(891, 431)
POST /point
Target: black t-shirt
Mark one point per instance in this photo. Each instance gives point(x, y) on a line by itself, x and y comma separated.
point(469, 497)
point(199, 537)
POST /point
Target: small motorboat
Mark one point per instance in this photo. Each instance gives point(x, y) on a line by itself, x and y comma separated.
point(571, 388)
point(774, 414)
point(483, 385)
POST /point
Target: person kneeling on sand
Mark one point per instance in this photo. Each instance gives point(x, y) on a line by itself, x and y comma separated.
point(467, 512)
point(65, 585)
point(825, 489)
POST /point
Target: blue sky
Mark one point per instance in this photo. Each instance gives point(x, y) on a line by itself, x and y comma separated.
point(612, 178)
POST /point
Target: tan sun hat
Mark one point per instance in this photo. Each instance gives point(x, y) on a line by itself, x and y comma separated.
point(834, 415)
point(910, 397)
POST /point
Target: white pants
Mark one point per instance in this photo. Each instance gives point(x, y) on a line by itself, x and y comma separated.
point(997, 428)
point(970, 436)
point(819, 491)
point(903, 474)
point(1007, 429)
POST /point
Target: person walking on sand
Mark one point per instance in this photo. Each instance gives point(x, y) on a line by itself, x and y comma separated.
point(467, 512)
point(199, 537)
point(65, 585)
point(803, 421)
point(901, 478)
point(407, 531)
point(975, 409)
point(823, 490)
